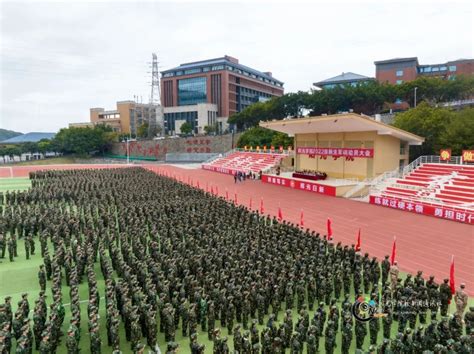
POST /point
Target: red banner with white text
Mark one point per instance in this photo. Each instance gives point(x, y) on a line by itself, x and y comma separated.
point(441, 212)
point(336, 152)
point(301, 185)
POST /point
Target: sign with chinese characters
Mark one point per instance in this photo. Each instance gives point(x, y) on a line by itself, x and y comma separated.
point(301, 185)
point(445, 154)
point(336, 152)
point(468, 155)
point(459, 215)
point(225, 170)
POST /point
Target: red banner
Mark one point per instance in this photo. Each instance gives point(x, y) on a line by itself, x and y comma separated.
point(459, 215)
point(468, 155)
point(445, 154)
point(225, 170)
point(301, 185)
point(336, 152)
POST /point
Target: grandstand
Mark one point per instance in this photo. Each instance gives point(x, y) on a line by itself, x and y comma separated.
point(241, 161)
point(447, 189)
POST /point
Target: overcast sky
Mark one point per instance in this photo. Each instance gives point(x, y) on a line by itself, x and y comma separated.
point(59, 59)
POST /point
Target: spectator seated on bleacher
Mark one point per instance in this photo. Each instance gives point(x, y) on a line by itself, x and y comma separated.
point(312, 175)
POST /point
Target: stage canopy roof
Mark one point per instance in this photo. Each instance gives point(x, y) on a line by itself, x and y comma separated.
point(339, 123)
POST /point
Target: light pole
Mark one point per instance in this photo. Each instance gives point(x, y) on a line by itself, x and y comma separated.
point(416, 88)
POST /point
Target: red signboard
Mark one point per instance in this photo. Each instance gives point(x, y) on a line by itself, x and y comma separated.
point(336, 152)
point(301, 185)
point(454, 214)
point(445, 154)
point(225, 170)
point(468, 155)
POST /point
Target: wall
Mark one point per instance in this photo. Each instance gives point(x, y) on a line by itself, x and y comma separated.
point(159, 148)
point(360, 168)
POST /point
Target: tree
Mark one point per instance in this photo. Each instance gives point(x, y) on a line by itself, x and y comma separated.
point(186, 128)
point(428, 122)
point(142, 130)
point(282, 139)
point(256, 136)
point(459, 134)
point(84, 141)
point(44, 146)
point(211, 129)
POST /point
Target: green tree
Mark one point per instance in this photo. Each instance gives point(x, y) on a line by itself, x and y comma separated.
point(459, 133)
point(282, 139)
point(186, 128)
point(428, 122)
point(256, 136)
point(84, 141)
point(142, 130)
point(44, 146)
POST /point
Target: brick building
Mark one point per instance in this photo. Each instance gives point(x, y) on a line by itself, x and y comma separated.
point(222, 82)
point(397, 71)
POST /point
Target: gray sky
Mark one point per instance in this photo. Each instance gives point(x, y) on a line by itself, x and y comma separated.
point(59, 59)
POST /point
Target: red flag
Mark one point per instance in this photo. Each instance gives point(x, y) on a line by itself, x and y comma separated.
point(329, 227)
point(261, 206)
point(197, 183)
point(357, 248)
point(301, 218)
point(451, 277)
point(235, 197)
point(217, 190)
point(212, 190)
point(250, 203)
point(394, 251)
point(280, 214)
point(207, 187)
point(226, 194)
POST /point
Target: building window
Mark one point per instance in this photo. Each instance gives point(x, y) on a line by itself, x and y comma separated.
point(192, 71)
point(443, 68)
point(168, 74)
point(179, 73)
point(217, 67)
point(435, 68)
point(399, 82)
point(399, 73)
point(206, 69)
point(192, 91)
point(427, 69)
point(452, 68)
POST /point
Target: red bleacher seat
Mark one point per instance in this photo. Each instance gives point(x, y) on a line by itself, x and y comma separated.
point(246, 161)
point(452, 189)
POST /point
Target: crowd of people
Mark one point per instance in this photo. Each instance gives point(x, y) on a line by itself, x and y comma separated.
point(178, 259)
point(308, 174)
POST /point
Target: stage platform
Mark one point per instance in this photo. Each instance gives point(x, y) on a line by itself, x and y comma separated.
point(330, 186)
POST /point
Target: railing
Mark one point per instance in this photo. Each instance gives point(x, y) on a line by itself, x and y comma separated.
point(218, 156)
point(429, 159)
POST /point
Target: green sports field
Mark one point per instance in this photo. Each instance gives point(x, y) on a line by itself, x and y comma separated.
point(21, 276)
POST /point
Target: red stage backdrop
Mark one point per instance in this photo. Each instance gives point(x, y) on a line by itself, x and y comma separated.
point(461, 215)
point(301, 185)
point(337, 152)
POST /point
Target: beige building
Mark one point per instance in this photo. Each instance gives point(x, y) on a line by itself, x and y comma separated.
point(346, 145)
point(198, 115)
point(126, 118)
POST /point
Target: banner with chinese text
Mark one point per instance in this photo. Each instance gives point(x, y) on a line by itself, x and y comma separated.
point(336, 152)
point(468, 155)
point(459, 215)
point(445, 154)
point(301, 185)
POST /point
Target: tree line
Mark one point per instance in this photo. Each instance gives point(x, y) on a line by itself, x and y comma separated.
point(68, 141)
point(370, 98)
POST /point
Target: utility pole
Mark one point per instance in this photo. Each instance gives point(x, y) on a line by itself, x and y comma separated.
point(154, 96)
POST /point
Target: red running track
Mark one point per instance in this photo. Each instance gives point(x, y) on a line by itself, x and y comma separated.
point(423, 243)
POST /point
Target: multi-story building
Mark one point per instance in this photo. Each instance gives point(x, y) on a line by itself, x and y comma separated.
point(198, 115)
point(397, 71)
point(128, 116)
point(222, 82)
point(343, 80)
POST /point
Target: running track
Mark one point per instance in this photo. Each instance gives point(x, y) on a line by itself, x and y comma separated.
point(423, 242)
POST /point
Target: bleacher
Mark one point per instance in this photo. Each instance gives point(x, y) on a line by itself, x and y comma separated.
point(244, 162)
point(438, 184)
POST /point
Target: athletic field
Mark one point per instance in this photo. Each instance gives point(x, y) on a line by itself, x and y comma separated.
point(21, 275)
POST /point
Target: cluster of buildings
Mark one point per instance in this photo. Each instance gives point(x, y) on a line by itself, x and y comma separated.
point(206, 93)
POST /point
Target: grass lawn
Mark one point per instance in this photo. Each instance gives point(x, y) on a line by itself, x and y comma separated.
point(20, 183)
point(48, 161)
point(21, 276)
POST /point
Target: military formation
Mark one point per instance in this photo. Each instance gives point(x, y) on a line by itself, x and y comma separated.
point(179, 261)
